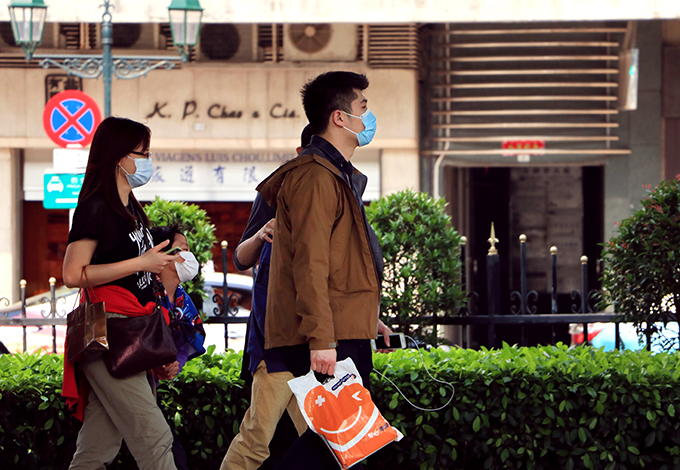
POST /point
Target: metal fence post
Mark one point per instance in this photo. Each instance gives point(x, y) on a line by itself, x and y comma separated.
point(553, 288)
point(225, 294)
point(493, 285)
point(53, 312)
point(22, 284)
point(463, 281)
point(523, 284)
point(584, 295)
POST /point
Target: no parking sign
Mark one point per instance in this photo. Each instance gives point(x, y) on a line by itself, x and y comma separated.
point(70, 119)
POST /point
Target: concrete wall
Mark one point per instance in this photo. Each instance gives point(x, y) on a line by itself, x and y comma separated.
point(369, 11)
point(626, 177)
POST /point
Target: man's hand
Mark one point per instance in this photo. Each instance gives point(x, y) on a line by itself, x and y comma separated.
point(323, 360)
point(266, 233)
point(386, 332)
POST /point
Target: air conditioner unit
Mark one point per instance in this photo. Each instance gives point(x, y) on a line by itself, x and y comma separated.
point(320, 42)
point(227, 42)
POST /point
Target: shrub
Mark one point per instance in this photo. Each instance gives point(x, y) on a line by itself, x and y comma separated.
point(641, 276)
point(422, 259)
point(200, 235)
point(537, 408)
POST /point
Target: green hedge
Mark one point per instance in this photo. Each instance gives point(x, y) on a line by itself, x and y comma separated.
point(543, 408)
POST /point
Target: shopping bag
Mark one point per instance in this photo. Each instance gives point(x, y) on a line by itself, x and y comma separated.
point(86, 329)
point(342, 412)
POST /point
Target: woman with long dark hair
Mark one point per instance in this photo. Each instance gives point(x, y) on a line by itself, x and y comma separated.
point(110, 251)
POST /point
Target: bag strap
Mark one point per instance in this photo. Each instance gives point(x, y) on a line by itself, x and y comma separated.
point(85, 289)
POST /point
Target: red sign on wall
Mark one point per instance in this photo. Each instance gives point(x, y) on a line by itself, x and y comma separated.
point(523, 145)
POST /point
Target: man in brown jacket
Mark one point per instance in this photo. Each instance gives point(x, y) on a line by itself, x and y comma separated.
point(326, 264)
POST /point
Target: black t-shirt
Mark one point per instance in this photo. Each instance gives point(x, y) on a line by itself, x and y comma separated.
point(116, 241)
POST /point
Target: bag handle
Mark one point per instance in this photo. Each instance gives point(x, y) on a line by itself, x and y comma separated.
point(83, 273)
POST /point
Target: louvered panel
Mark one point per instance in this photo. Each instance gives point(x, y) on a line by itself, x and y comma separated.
point(497, 85)
point(545, 44)
point(526, 82)
point(519, 30)
point(266, 34)
point(393, 46)
point(466, 99)
point(527, 125)
point(547, 138)
point(71, 32)
point(92, 35)
point(538, 58)
point(166, 36)
point(360, 42)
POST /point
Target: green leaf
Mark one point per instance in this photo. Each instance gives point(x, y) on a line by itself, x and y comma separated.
point(633, 450)
point(429, 429)
point(48, 424)
point(476, 424)
point(671, 410)
point(209, 421)
point(582, 434)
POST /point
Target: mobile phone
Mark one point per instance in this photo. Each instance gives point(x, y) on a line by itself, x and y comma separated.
point(397, 341)
point(173, 251)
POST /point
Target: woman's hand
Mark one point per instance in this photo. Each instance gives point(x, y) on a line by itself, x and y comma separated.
point(166, 372)
point(154, 260)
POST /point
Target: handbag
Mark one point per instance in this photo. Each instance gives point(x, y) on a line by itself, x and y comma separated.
point(85, 326)
point(138, 344)
point(343, 414)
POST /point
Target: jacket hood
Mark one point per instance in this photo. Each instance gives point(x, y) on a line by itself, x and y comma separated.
point(269, 188)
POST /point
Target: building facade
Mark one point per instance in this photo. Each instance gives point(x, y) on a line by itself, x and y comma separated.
point(511, 112)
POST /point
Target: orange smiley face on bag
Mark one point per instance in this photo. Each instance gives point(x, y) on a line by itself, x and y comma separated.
point(340, 419)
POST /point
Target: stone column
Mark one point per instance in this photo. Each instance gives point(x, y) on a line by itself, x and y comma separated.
point(10, 224)
point(399, 169)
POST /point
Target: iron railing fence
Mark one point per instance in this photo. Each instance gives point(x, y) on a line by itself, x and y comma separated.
point(523, 312)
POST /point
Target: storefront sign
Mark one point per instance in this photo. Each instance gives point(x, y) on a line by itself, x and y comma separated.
point(224, 176)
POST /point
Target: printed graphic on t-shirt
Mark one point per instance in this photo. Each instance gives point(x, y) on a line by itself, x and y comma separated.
point(142, 237)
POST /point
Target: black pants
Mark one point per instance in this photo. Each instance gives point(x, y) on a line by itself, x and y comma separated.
point(309, 451)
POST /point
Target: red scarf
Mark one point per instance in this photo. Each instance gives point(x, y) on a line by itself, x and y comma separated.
point(117, 300)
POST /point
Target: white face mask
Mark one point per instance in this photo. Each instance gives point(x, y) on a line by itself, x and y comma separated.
point(189, 269)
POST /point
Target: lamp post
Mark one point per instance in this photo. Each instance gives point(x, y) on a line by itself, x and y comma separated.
point(28, 21)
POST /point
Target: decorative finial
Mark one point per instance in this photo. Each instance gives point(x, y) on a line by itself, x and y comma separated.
point(493, 240)
point(553, 250)
point(53, 281)
point(584, 259)
point(463, 240)
point(22, 283)
point(522, 238)
point(224, 244)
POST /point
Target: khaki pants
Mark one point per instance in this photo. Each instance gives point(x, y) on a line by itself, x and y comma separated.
point(121, 409)
point(270, 397)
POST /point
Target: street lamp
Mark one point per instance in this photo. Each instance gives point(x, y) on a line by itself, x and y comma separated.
point(185, 24)
point(28, 20)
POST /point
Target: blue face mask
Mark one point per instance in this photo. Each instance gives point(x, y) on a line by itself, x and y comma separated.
point(370, 124)
point(142, 174)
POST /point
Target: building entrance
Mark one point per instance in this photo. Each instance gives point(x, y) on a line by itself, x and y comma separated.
point(560, 206)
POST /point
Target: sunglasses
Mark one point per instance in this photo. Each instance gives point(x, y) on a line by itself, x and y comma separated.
point(142, 154)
